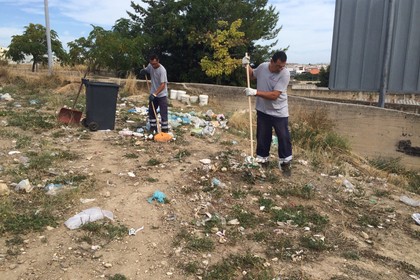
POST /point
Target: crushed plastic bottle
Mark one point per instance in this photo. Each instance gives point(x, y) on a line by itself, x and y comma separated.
point(349, 186)
point(409, 201)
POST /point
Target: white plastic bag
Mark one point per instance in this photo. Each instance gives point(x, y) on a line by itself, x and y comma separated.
point(87, 216)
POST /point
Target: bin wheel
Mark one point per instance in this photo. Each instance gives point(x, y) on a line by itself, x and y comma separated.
point(93, 126)
point(84, 122)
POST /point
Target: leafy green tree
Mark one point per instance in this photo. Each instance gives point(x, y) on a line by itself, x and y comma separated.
point(306, 76)
point(33, 42)
point(225, 38)
point(324, 77)
point(117, 50)
point(174, 29)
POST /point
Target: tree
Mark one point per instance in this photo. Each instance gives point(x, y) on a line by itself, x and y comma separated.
point(324, 77)
point(174, 30)
point(33, 42)
point(117, 50)
point(224, 39)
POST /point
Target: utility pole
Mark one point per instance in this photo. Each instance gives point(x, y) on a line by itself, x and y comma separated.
point(48, 31)
point(387, 56)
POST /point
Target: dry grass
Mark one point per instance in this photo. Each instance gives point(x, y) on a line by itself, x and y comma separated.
point(130, 86)
point(240, 121)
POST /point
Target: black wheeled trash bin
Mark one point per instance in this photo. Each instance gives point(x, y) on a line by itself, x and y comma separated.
point(101, 105)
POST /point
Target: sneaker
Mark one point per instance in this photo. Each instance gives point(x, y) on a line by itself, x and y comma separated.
point(286, 169)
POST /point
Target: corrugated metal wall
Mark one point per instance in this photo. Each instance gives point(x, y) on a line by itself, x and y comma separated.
point(359, 39)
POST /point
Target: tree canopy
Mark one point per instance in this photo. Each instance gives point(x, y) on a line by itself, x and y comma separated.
point(175, 28)
point(33, 42)
point(196, 40)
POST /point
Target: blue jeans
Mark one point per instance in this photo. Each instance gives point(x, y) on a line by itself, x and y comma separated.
point(265, 125)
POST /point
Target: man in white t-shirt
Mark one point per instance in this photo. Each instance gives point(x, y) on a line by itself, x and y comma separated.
point(272, 108)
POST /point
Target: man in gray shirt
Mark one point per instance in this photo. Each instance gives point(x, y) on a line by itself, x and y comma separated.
point(158, 93)
point(272, 108)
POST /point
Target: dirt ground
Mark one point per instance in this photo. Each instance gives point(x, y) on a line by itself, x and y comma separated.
point(369, 235)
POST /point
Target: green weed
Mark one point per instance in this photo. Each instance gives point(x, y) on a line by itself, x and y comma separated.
point(117, 277)
point(31, 120)
point(312, 243)
point(351, 255)
point(366, 220)
point(105, 230)
point(301, 216)
point(26, 222)
point(191, 267)
point(233, 266)
point(280, 248)
point(245, 218)
point(267, 203)
point(200, 244)
point(153, 162)
point(131, 155)
point(182, 154)
point(151, 180)
point(306, 191)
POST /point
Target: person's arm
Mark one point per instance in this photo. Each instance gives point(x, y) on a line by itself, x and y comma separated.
point(159, 89)
point(270, 95)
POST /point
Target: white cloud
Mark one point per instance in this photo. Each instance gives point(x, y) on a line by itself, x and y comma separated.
point(7, 33)
point(104, 12)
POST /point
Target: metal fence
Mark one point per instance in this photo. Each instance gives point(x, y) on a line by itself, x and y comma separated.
point(376, 46)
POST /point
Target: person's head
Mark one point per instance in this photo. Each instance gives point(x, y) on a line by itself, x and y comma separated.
point(154, 61)
point(278, 61)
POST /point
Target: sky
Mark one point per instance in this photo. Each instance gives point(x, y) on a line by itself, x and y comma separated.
point(307, 25)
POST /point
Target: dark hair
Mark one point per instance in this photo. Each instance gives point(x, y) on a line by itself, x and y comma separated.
point(153, 57)
point(279, 55)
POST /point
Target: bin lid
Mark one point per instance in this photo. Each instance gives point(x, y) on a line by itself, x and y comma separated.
point(100, 84)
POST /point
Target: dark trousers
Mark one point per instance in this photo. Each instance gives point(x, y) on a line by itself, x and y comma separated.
point(162, 104)
point(265, 125)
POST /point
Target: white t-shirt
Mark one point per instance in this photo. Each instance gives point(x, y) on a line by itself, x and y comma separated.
point(268, 81)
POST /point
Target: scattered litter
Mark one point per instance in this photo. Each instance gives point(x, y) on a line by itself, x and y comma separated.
point(6, 97)
point(304, 162)
point(133, 231)
point(349, 186)
point(87, 216)
point(52, 189)
point(87, 200)
point(158, 196)
point(13, 152)
point(24, 185)
point(205, 161)
point(216, 183)
point(131, 174)
point(4, 190)
point(409, 201)
point(233, 222)
point(416, 218)
point(125, 132)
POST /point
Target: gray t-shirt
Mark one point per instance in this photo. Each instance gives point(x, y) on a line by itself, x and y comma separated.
point(157, 77)
point(268, 81)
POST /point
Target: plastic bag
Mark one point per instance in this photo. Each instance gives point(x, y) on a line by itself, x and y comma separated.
point(87, 216)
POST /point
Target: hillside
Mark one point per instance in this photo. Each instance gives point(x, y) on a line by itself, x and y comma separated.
point(337, 217)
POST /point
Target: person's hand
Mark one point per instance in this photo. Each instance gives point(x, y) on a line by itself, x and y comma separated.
point(245, 61)
point(250, 91)
point(152, 97)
